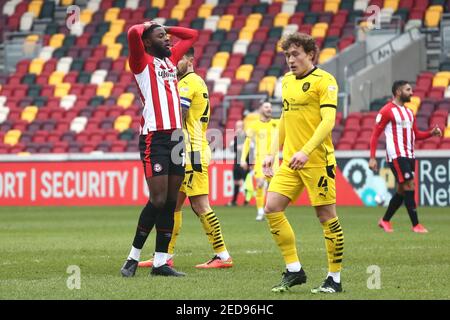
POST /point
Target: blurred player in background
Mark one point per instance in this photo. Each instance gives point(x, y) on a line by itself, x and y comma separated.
point(310, 98)
point(261, 133)
point(196, 111)
point(400, 129)
point(239, 173)
point(153, 64)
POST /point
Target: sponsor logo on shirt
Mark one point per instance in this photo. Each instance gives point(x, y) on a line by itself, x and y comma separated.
point(166, 75)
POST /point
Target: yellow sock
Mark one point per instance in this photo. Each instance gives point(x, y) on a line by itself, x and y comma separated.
point(211, 225)
point(284, 236)
point(259, 198)
point(334, 243)
point(177, 221)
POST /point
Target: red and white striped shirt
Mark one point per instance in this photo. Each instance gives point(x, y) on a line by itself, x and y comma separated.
point(157, 79)
point(400, 129)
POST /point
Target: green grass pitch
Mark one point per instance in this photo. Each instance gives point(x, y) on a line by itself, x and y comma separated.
point(38, 244)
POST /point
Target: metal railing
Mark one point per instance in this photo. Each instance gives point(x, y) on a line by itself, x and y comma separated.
point(394, 25)
point(16, 48)
point(445, 35)
point(414, 34)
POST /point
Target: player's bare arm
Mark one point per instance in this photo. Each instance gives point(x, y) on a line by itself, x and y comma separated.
point(373, 165)
point(267, 166)
point(436, 132)
point(298, 160)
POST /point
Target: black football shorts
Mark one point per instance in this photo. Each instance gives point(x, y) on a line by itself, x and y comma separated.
point(162, 153)
point(403, 169)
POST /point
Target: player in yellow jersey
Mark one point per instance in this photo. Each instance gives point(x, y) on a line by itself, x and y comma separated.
point(310, 98)
point(260, 132)
point(196, 111)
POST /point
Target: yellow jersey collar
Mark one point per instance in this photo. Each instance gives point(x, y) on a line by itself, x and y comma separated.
point(303, 77)
point(184, 76)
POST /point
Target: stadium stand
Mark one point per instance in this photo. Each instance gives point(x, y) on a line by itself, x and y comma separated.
point(78, 94)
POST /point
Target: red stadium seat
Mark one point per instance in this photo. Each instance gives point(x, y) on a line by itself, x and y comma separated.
point(423, 84)
point(71, 77)
point(349, 135)
point(62, 126)
point(233, 9)
point(60, 147)
point(334, 31)
point(365, 134)
point(444, 105)
point(352, 123)
point(345, 42)
point(429, 145)
point(14, 22)
point(426, 74)
point(91, 64)
point(16, 148)
point(118, 146)
point(305, 28)
point(235, 87)
point(297, 18)
point(407, 4)
point(361, 146)
point(239, 22)
point(421, 4)
point(119, 64)
point(274, 9)
point(110, 135)
point(436, 93)
point(345, 145)
point(53, 137)
point(265, 59)
point(99, 52)
point(40, 136)
point(42, 79)
point(445, 144)
point(88, 146)
point(441, 113)
point(47, 90)
point(90, 90)
point(126, 78)
point(261, 34)
point(22, 66)
point(416, 14)
point(317, 6)
point(125, 14)
point(420, 93)
point(49, 66)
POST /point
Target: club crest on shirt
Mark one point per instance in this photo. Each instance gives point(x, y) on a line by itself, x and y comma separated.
point(306, 86)
point(157, 167)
